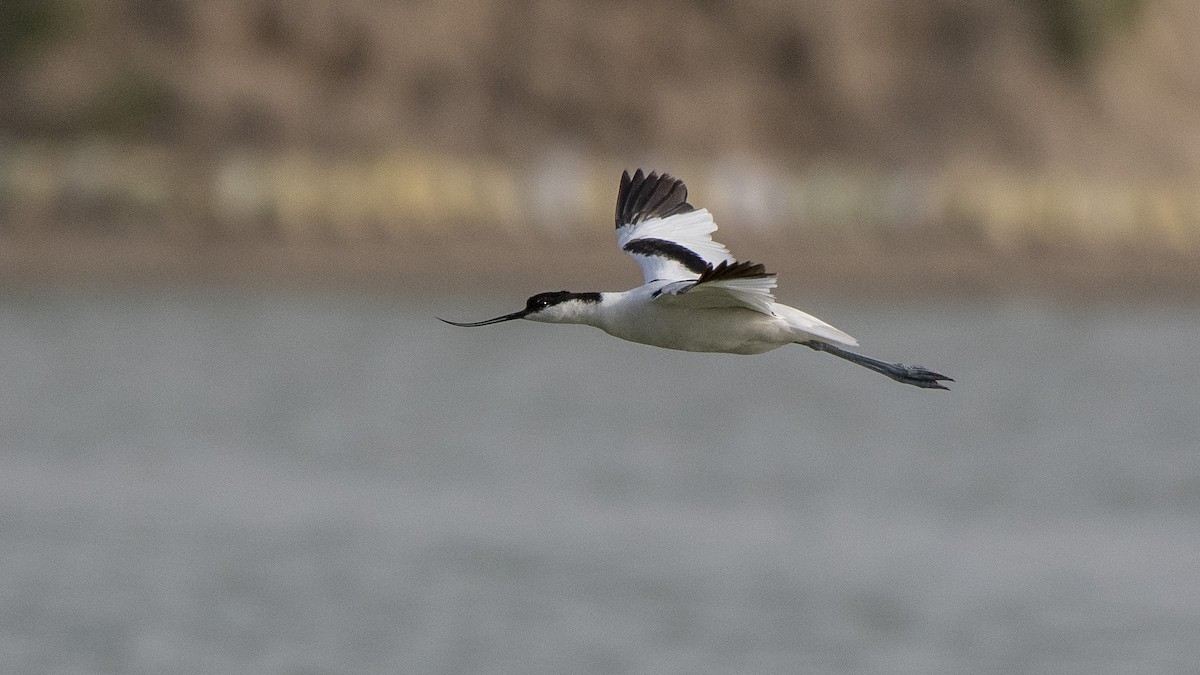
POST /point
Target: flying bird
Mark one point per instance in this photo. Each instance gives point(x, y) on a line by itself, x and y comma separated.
point(696, 296)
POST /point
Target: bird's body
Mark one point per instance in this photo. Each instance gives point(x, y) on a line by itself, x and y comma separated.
point(634, 316)
point(638, 316)
point(696, 296)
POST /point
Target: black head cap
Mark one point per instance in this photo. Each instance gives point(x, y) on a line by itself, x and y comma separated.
point(550, 298)
point(541, 301)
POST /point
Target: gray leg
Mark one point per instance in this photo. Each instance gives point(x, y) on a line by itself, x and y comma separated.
point(914, 375)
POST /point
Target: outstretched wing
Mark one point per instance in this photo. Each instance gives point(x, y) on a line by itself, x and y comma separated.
point(668, 237)
point(749, 285)
point(739, 284)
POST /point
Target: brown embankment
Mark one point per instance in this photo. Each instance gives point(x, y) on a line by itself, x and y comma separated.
point(509, 267)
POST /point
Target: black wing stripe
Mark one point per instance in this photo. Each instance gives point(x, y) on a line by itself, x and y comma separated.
point(735, 270)
point(642, 197)
point(672, 251)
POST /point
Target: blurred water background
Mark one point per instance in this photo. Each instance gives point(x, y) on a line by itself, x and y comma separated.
point(227, 481)
point(234, 438)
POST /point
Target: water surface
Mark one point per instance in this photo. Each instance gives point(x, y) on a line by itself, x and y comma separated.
point(197, 481)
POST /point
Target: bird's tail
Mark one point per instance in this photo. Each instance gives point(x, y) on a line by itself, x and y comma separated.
point(811, 325)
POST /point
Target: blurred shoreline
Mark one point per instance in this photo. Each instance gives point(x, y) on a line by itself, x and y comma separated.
point(301, 196)
point(122, 215)
point(492, 266)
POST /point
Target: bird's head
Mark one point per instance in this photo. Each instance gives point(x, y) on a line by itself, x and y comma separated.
point(549, 307)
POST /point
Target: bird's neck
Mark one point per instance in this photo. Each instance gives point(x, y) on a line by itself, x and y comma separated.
point(593, 313)
point(602, 314)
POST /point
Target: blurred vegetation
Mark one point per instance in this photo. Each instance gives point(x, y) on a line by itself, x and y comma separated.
point(27, 26)
point(1077, 30)
point(137, 105)
point(859, 82)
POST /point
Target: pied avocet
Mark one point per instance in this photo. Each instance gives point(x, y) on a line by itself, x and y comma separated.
point(697, 297)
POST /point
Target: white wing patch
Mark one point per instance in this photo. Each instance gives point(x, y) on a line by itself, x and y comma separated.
point(662, 232)
point(675, 247)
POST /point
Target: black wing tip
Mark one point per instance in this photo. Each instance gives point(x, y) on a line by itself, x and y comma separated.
point(643, 196)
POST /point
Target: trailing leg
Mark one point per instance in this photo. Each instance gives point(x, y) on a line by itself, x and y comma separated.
point(914, 375)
